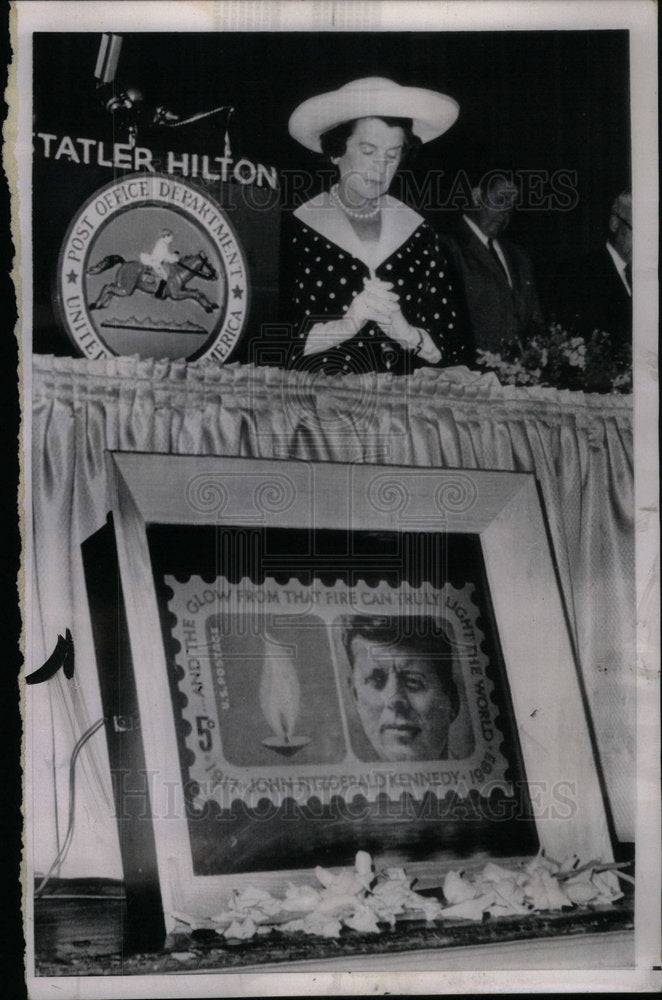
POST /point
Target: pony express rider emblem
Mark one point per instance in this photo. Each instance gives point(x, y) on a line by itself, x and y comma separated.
point(152, 266)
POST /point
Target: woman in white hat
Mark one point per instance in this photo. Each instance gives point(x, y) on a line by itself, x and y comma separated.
point(369, 288)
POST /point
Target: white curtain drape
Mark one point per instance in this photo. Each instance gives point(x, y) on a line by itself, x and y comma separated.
point(579, 447)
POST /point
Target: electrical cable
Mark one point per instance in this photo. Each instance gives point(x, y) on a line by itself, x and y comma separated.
point(54, 773)
point(59, 858)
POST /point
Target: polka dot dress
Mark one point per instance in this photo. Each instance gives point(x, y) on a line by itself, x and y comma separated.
point(324, 279)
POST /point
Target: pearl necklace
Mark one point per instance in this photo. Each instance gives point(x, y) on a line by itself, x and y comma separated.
point(353, 213)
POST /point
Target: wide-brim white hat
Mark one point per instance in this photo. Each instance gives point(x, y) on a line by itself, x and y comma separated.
point(431, 113)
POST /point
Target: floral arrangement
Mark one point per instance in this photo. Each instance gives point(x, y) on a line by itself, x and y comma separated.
point(563, 360)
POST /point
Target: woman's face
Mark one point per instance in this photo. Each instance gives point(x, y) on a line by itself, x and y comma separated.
point(373, 153)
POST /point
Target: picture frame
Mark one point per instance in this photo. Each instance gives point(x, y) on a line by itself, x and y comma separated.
point(536, 83)
point(503, 510)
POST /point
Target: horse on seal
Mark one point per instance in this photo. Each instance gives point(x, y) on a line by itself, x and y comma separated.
point(133, 275)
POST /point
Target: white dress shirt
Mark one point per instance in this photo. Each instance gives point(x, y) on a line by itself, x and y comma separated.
point(620, 266)
point(485, 241)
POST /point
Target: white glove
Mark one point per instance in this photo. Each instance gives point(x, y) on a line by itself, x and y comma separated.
point(375, 304)
point(413, 338)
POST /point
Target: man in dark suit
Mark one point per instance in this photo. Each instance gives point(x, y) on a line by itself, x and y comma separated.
point(595, 293)
point(495, 274)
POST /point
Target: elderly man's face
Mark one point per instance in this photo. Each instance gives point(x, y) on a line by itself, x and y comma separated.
point(494, 207)
point(371, 157)
point(405, 711)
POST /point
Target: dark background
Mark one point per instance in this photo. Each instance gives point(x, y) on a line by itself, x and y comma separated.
point(543, 101)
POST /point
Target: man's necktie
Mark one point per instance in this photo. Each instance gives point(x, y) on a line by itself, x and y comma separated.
point(628, 275)
point(492, 249)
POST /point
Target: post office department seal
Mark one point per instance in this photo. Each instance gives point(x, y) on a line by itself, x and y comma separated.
point(151, 265)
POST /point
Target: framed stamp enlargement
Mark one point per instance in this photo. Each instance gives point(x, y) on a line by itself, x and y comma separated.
point(294, 715)
point(311, 660)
